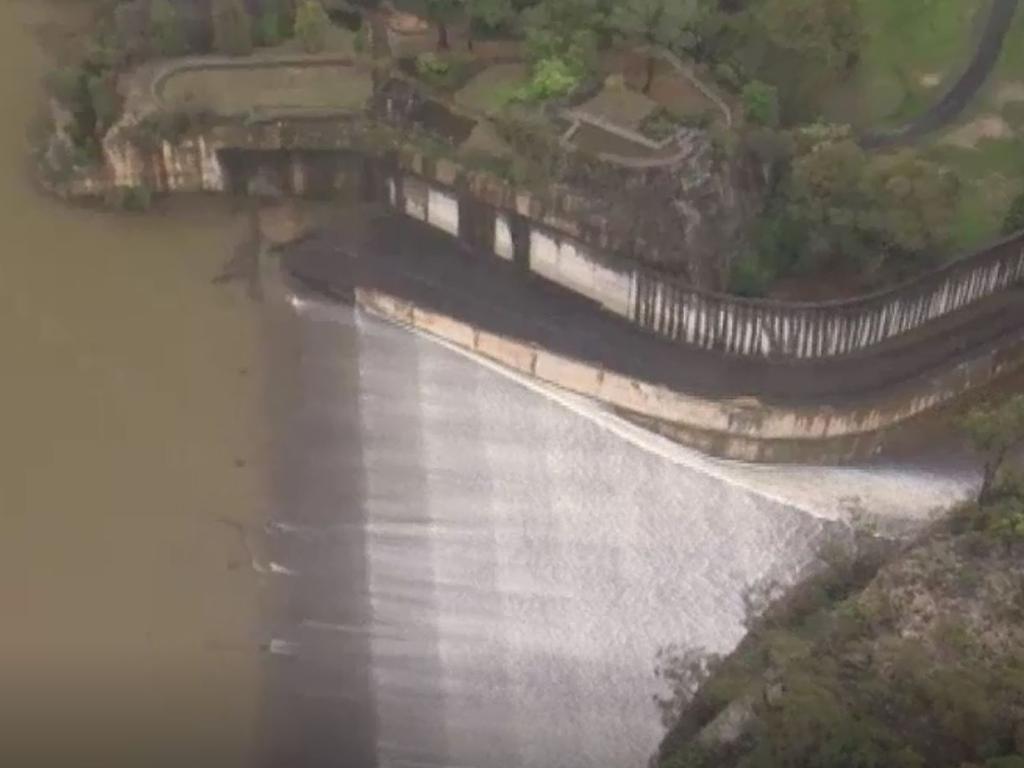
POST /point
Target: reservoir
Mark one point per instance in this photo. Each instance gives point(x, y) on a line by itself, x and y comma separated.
point(245, 532)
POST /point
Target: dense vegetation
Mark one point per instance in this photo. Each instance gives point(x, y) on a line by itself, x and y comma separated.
point(887, 658)
point(835, 218)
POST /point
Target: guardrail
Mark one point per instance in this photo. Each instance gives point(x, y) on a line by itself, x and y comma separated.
point(827, 329)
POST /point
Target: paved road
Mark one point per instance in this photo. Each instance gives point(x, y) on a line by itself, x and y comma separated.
point(405, 258)
point(952, 104)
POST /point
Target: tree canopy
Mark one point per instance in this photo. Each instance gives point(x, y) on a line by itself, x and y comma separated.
point(232, 27)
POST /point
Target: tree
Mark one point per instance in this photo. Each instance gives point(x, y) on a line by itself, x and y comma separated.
point(1014, 221)
point(826, 33)
point(761, 102)
point(166, 29)
point(492, 14)
point(311, 25)
point(566, 30)
point(654, 22)
point(994, 432)
point(826, 196)
point(915, 200)
point(232, 27)
point(275, 21)
point(443, 13)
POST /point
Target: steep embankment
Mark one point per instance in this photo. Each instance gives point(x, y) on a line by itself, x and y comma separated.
point(920, 664)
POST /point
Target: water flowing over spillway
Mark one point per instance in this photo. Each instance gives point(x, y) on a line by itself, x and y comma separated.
point(483, 575)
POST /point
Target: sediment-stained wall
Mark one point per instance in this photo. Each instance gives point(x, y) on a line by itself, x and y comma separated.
point(729, 324)
point(747, 430)
point(519, 227)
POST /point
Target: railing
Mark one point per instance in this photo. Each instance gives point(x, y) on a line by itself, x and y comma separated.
point(780, 329)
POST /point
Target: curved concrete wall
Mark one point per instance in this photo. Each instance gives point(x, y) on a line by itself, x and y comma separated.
point(730, 324)
point(519, 229)
point(747, 430)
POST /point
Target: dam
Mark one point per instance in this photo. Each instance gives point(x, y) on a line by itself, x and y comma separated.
point(482, 570)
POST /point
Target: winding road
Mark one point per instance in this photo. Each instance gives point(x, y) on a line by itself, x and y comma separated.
point(952, 104)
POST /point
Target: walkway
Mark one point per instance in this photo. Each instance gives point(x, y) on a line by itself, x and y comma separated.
point(402, 257)
point(950, 106)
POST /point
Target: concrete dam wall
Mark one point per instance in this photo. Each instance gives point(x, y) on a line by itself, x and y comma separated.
point(494, 218)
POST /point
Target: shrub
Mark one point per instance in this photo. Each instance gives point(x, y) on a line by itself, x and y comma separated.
point(761, 102)
point(727, 76)
point(105, 100)
point(551, 78)
point(133, 199)
point(1014, 221)
point(166, 29)
point(659, 125)
point(268, 30)
point(311, 25)
point(232, 27)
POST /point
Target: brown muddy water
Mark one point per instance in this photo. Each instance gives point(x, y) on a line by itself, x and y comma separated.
point(478, 571)
point(130, 455)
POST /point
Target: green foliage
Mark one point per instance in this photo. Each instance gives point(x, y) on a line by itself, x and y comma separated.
point(268, 28)
point(567, 31)
point(659, 22)
point(994, 431)
point(432, 65)
point(726, 75)
point(105, 100)
point(311, 25)
point(443, 13)
point(761, 102)
point(1014, 221)
point(166, 29)
point(551, 78)
point(232, 27)
point(866, 209)
point(444, 71)
point(824, 33)
point(493, 15)
point(659, 125)
point(915, 200)
point(132, 199)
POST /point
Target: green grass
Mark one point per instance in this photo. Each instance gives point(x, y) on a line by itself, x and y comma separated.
point(337, 40)
point(493, 88)
point(992, 174)
point(238, 90)
point(993, 171)
point(906, 41)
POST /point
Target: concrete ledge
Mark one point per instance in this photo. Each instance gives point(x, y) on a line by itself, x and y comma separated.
point(745, 429)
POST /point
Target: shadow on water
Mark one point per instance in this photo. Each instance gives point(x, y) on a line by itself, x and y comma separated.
point(319, 704)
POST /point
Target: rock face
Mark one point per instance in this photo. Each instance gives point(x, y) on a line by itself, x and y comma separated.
point(687, 217)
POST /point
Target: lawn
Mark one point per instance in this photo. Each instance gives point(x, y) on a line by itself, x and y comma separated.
point(237, 90)
point(912, 50)
point(991, 168)
point(492, 88)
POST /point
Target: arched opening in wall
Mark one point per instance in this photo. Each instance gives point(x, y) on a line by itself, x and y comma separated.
point(321, 174)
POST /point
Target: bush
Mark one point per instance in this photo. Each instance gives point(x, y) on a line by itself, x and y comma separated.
point(446, 72)
point(1014, 220)
point(761, 102)
point(311, 25)
point(659, 125)
point(727, 76)
point(232, 27)
point(133, 199)
point(551, 78)
point(105, 100)
point(166, 29)
point(750, 276)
